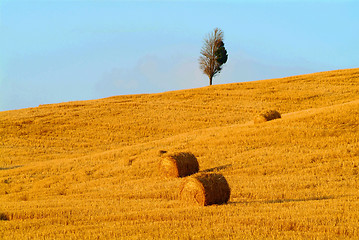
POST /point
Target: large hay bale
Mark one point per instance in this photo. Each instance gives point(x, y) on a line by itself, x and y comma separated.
point(267, 116)
point(205, 189)
point(180, 164)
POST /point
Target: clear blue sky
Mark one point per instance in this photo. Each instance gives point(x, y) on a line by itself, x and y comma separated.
point(56, 51)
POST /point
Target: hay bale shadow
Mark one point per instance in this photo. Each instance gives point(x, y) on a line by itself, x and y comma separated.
point(283, 200)
point(11, 167)
point(300, 199)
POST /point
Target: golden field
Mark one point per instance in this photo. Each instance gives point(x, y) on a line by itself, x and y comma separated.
point(89, 169)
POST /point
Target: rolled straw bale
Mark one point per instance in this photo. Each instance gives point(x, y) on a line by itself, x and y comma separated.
point(267, 116)
point(179, 164)
point(205, 189)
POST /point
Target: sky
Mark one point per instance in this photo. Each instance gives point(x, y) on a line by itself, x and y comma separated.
point(61, 50)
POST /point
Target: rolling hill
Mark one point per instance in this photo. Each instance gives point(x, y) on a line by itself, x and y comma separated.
point(89, 169)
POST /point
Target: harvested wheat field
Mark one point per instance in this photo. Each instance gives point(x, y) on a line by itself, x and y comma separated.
point(89, 170)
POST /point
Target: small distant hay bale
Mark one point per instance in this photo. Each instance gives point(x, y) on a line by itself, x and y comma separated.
point(180, 164)
point(267, 116)
point(205, 189)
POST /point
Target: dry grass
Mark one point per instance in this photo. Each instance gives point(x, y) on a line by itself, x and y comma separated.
point(88, 169)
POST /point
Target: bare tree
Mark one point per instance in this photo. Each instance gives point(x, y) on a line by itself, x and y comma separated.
point(213, 54)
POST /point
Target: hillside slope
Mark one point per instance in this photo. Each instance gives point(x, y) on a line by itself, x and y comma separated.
point(77, 128)
point(89, 169)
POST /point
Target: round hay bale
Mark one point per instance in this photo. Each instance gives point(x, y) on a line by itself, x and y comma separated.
point(267, 116)
point(205, 189)
point(179, 164)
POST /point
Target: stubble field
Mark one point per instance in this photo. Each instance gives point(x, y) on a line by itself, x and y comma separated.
point(89, 170)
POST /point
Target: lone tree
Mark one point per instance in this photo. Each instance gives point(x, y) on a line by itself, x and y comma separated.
point(213, 54)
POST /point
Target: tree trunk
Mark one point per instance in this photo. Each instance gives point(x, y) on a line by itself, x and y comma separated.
point(210, 80)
